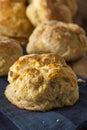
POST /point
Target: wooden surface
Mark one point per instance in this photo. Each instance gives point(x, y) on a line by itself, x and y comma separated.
point(80, 66)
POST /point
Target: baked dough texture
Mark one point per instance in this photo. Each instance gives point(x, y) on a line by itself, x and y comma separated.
point(13, 19)
point(66, 39)
point(10, 51)
point(41, 82)
point(61, 10)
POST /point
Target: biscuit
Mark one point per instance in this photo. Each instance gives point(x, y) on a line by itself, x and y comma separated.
point(66, 39)
point(13, 20)
point(41, 82)
point(10, 51)
point(61, 10)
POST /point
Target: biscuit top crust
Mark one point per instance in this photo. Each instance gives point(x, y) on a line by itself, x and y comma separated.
point(9, 45)
point(39, 62)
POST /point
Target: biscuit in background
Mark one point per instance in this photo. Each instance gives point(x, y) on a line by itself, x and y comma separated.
point(66, 39)
point(10, 51)
point(61, 10)
point(13, 20)
point(41, 82)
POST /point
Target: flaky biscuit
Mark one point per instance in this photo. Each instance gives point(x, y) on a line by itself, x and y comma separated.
point(67, 40)
point(10, 51)
point(61, 10)
point(41, 82)
point(13, 19)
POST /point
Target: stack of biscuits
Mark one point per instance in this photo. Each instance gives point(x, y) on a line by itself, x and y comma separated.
point(40, 80)
point(15, 28)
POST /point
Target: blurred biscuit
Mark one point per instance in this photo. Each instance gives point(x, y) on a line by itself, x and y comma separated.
point(10, 51)
point(41, 82)
point(61, 10)
point(13, 19)
point(66, 39)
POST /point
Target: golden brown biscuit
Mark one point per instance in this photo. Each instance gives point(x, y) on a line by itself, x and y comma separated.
point(13, 20)
point(41, 82)
point(61, 10)
point(10, 51)
point(67, 40)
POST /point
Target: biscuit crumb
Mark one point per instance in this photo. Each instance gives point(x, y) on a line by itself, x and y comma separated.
point(57, 120)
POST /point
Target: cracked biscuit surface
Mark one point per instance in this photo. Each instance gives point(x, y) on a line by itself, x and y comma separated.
point(41, 82)
point(66, 39)
point(61, 10)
